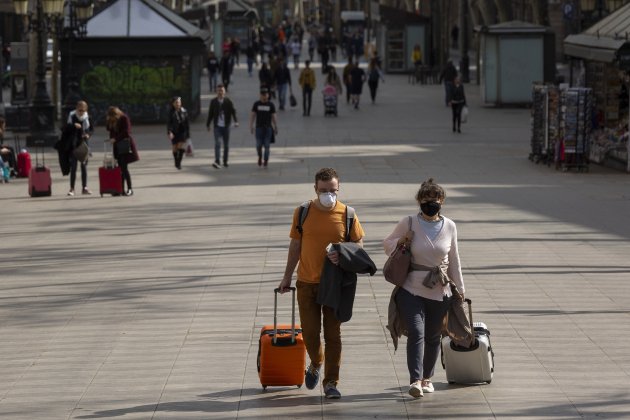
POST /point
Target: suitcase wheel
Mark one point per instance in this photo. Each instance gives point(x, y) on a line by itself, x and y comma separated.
point(451, 382)
point(264, 387)
point(489, 381)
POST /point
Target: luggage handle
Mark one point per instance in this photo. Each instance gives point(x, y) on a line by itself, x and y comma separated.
point(275, 314)
point(470, 317)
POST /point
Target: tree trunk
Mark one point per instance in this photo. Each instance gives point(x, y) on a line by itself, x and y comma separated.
point(504, 10)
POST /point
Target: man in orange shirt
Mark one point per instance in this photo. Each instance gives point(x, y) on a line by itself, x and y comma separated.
point(325, 224)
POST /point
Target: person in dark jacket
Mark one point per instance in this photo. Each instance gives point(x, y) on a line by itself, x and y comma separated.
point(457, 103)
point(265, 77)
point(221, 112)
point(357, 79)
point(178, 130)
point(225, 67)
point(119, 127)
point(338, 282)
point(325, 224)
point(212, 65)
point(78, 129)
point(282, 79)
point(448, 75)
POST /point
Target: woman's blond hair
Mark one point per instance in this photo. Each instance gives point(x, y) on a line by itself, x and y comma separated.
point(113, 115)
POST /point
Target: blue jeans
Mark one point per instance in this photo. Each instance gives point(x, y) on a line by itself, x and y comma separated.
point(282, 94)
point(424, 324)
point(263, 139)
point(250, 66)
point(221, 133)
point(212, 78)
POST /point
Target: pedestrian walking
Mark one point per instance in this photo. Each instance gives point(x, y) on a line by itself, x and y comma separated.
point(458, 101)
point(326, 224)
point(265, 77)
point(178, 130)
point(307, 83)
point(296, 50)
point(448, 75)
point(374, 75)
point(282, 80)
point(225, 66)
point(125, 150)
point(312, 44)
point(250, 54)
point(263, 115)
point(79, 129)
point(357, 79)
point(221, 112)
point(212, 65)
point(346, 77)
point(420, 303)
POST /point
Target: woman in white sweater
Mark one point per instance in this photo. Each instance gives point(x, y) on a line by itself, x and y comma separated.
point(421, 301)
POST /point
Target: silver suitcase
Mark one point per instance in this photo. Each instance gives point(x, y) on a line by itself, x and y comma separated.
point(472, 365)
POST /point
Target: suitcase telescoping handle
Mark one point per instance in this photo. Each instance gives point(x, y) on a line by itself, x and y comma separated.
point(470, 318)
point(275, 314)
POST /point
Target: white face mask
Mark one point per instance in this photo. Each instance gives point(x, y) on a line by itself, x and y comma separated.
point(327, 199)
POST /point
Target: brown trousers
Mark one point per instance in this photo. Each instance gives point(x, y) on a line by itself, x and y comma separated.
point(311, 320)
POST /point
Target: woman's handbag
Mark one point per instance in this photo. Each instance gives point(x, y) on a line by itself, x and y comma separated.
point(81, 152)
point(123, 147)
point(464, 118)
point(398, 264)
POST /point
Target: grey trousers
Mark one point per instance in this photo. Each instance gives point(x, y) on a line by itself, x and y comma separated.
point(424, 323)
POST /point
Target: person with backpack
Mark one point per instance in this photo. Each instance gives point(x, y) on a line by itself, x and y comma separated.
point(374, 75)
point(79, 129)
point(327, 221)
point(307, 82)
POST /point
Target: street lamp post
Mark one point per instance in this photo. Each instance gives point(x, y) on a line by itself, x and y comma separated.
point(41, 110)
point(79, 13)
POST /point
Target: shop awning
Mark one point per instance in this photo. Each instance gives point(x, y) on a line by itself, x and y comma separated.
point(602, 41)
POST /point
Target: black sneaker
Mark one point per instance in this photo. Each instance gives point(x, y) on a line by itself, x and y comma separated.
point(331, 391)
point(311, 377)
point(216, 165)
point(225, 164)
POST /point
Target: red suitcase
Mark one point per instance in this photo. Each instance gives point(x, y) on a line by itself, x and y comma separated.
point(110, 180)
point(39, 179)
point(109, 175)
point(23, 160)
point(281, 351)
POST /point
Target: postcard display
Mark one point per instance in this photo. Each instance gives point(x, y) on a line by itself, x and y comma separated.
point(576, 127)
point(545, 121)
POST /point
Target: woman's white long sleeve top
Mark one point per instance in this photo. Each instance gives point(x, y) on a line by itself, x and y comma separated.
point(430, 253)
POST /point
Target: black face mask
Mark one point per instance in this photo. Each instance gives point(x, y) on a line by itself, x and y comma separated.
point(430, 208)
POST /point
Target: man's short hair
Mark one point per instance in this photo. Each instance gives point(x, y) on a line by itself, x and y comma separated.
point(326, 174)
point(220, 85)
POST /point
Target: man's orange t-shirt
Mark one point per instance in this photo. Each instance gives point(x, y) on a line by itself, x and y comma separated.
point(321, 228)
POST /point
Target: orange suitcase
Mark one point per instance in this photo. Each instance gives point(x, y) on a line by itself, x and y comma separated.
point(281, 351)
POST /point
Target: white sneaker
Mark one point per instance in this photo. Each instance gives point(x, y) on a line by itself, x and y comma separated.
point(71, 193)
point(415, 390)
point(427, 386)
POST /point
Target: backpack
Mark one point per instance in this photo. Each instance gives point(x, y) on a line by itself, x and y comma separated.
point(374, 75)
point(304, 212)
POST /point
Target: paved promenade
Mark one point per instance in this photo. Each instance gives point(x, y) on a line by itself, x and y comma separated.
point(149, 307)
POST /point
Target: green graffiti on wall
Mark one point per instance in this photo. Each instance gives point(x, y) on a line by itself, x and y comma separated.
point(131, 83)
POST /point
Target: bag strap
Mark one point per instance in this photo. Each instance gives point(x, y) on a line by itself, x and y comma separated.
point(349, 221)
point(302, 216)
point(350, 213)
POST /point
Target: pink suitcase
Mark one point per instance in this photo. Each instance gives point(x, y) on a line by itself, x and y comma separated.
point(39, 179)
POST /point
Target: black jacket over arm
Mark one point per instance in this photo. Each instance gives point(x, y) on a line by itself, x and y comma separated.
point(338, 283)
